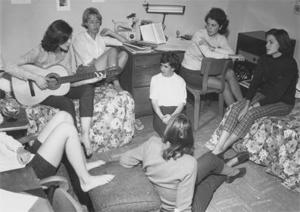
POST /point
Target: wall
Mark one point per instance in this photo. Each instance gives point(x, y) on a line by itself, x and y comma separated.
point(25, 24)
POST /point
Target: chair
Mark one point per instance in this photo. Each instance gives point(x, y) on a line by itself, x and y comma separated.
point(61, 200)
point(209, 67)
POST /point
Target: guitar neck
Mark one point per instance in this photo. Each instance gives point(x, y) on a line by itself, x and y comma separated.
point(89, 75)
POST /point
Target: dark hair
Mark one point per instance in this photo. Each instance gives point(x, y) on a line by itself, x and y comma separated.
point(171, 58)
point(220, 17)
point(57, 33)
point(283, 39)
point(90, 11)
point(179, 134)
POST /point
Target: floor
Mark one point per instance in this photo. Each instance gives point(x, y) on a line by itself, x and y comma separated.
point(255, 192)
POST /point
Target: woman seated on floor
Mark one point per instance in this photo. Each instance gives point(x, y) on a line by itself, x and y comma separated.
point(170, 166)
point(271, 92)
point(46, 152)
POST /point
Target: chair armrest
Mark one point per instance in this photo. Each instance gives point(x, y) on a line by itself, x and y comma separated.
point(58, 181)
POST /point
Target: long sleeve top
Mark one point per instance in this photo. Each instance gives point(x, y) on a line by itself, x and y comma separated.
point(197, 50)
point(174, 179)
point(86, 48)
point(276, 79)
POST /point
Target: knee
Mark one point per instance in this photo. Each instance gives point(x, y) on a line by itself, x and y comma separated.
point(68, 127)
point(230, 74)
point(65, 117)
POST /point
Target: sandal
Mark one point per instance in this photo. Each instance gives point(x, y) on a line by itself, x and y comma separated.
point(242, 157)
point(230, 179)
point(138, 124)
point(85, 150)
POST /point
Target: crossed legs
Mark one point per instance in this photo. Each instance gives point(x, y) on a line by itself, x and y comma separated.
point(112, 58)
point(59, 136)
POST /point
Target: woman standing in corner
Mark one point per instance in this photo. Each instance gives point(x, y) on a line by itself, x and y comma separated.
point(93, 48)
point(211, 42)
point(271, 92)
point(54, 50)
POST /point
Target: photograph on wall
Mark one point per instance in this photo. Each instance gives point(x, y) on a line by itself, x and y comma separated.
point(63, 5)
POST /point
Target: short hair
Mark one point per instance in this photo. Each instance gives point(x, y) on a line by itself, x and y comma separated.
point(283, 38)
point(90, 11)
point(220, 17)
point(57, 33)
point(179, 134)
point(171, 58)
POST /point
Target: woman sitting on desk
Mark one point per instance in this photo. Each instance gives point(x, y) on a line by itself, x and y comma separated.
point(59, 136)
point(211, 42)
point(91, 46)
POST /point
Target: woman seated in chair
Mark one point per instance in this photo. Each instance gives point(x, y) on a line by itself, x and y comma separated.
point(271, 92)
point(59, 136)
point(170, 166)
point(211, 42)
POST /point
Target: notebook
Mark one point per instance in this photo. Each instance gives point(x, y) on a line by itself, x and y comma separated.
point(153, 33)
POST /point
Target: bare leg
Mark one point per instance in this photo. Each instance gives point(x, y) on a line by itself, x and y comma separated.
point(234, 85)
point(214, 82)
point(232, 139)
point(59, 118)
point(220, 145)
point(65, 137)
point(85, 136)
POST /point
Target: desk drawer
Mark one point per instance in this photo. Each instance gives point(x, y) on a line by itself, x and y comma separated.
point(142, 76)
point(142, 102)
point(145, 61)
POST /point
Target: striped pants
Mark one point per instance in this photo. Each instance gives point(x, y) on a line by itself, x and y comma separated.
point(241, 128)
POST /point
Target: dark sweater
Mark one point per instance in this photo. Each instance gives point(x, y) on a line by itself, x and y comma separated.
point(276, 79)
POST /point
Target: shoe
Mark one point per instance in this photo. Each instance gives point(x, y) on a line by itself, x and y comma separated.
point(242, 157)
point(87, 156)
point(242, 173)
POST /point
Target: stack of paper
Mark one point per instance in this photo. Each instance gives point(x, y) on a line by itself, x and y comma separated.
point(153, 33)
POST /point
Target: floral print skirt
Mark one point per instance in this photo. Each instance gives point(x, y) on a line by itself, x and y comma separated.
point(273, 142)
point(112, 122)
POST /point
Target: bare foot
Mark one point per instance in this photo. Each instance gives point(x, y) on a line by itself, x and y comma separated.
point(95, 181)
point(94, 164)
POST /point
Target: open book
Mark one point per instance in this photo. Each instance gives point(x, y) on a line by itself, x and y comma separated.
point(153, 33)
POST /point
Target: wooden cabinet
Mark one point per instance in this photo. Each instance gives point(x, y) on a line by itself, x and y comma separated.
point(136, 78)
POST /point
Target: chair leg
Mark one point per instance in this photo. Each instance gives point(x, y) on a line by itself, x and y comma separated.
point(221, 104)
point(196, 111)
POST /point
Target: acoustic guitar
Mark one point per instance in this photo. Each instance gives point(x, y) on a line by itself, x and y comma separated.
point(28, 93)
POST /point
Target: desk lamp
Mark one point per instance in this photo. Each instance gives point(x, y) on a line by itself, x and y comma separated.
point(164, 9)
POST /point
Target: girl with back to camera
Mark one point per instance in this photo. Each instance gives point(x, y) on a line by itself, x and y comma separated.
point(170, 166)
point(211, 42)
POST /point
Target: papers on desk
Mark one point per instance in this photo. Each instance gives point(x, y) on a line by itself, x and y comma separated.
point(12, 202)
point(174, 44)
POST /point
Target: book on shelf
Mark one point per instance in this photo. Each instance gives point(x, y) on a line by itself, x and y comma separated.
point(153, 33)
point(136, 48)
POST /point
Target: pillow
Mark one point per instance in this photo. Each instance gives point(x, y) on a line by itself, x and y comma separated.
point(130, 190)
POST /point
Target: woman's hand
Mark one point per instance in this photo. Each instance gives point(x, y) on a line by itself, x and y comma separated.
point(166, 118)
point(244, 111)
point(41, 82)
point(23, 156)
point(237, 57)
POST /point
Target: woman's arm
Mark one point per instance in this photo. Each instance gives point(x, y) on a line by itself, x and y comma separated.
point(133, 157)
point(185, 189)
point(110, 33)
